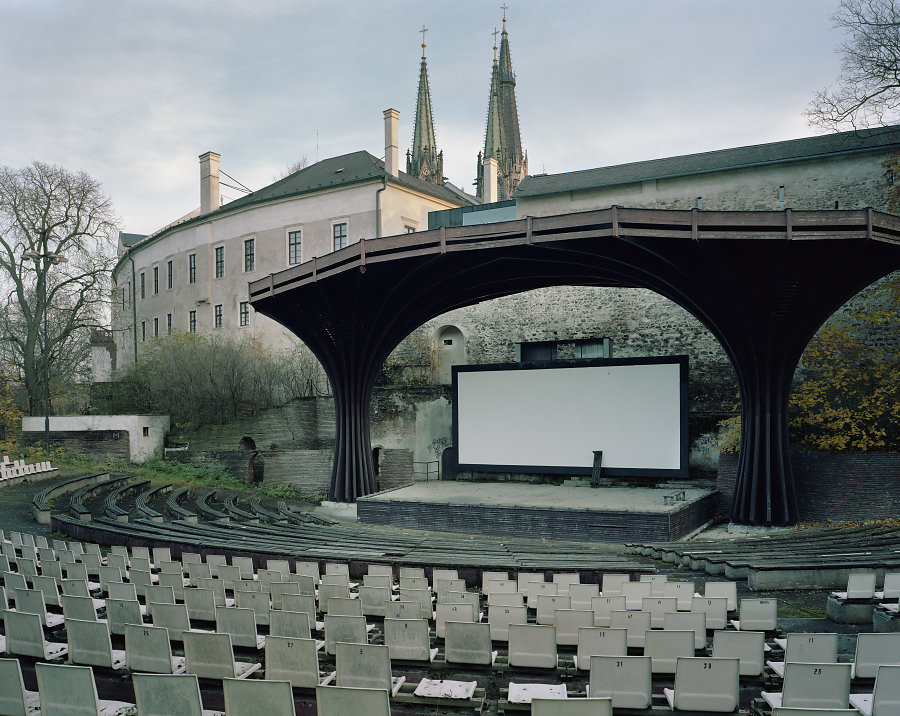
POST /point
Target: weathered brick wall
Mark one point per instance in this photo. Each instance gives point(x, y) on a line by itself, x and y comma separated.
point(395, 468)
point(98, 444)
point(835, 486)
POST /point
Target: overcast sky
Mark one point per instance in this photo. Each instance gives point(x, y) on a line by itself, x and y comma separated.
point(132, 92)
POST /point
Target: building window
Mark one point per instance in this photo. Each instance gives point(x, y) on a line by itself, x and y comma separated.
point(168, 323)
point(410, 229)
point(146, 431)
point(169, 275)
point(294, 247)
point(249, 255)
point(192, 321)
point(245, 313)
point(192, 268)
point(143, 330)
point(155, 279)
point(143, 286)
point(699, 202)
point(128, 294)
point(781, 193)
point(123, 297)
point(339, 231)
point(156, 327)
point(217, 315)
point(220, 261)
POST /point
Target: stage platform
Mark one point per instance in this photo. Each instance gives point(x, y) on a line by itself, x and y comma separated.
point(605, 514)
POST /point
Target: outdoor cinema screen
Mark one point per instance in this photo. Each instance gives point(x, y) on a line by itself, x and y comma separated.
point(514, 418)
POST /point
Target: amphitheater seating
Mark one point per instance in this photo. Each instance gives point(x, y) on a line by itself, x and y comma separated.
point(147, 648)
point(14, 698)
point(71, 690)
point(873, 650)
point(366, 666)
point(408, 640)
point(469, 643)
point(341, 700)
point(571, 707)
point(90, 645)
point(599, 641)
point(812, 686)
point(885, 697)
point(806, 648)
point(748, 647)
point(626, 680)
point(705, 684)
point(210, 656)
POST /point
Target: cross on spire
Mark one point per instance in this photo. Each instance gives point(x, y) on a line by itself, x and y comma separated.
point(423, 31)
point(495, 33)
point(504, 7)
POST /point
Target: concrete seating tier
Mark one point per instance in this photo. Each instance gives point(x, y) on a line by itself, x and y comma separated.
point(142, 503)
point(111, 501)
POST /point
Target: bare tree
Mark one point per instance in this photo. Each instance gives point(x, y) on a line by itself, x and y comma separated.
point(46, 214)
point(867, 92)
point(295, 166)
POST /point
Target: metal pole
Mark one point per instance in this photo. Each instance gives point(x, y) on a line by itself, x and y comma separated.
point(46, 364)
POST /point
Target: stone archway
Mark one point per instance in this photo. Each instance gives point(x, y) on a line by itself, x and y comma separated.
point(450, 350)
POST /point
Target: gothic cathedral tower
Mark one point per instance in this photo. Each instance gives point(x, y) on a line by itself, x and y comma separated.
point(501, 137)
point(424, 161)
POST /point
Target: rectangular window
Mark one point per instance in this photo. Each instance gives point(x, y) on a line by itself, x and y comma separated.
point(699, 202)
point(249, 255)
point(245, 313)
point(143, 286)
point(339, 231)
point(169, 323)
point(169, 275)
point(143, 330)
point(155, 279)
point(156, 327)
point(128, 293)
point(123, 297)
point(192, 321)
point(220, 261)
point(294, 247)
point(781, 193)
point(410, 229)
point(217, 315)
point(192, 268)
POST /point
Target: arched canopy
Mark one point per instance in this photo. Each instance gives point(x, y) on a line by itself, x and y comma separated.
point(762, 282)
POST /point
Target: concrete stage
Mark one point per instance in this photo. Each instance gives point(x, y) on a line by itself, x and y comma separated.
point(513, 509)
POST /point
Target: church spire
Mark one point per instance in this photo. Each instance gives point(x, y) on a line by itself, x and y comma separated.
point(501, 137)
point(424, 161)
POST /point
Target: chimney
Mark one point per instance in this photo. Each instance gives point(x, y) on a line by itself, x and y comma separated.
point(209, 182)
point(489, 193)
point(391, 143)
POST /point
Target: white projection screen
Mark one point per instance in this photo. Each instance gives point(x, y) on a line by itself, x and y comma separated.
point(514, 418)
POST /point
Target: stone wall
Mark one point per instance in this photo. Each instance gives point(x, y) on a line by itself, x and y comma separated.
point(833, 486)
point(96, 444)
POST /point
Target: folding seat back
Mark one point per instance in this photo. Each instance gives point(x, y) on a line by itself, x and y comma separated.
point(682, 591)
point(90, 644)
point(790, 711)
point(91, 563)
point(547, 605)
point(217, 586)
point(48, 587)
point(635, 592)
point(581, 595)
point(636, 623)
point(705, 684)
point(604, 606)
point(277, 590)
point(198, 570)
point(891, 586)
point(885, 698)
point(873, 650)
point(499, 619)
point(345, 607)
point(289, 624)
point(200, 603)
point(524, 579)
point(487, 576)
point(665, 647)
point(292, 659)
point(215, 561)
point(715, 608)
point(120, 612)
point(819, 648)
point(437, 574)
point(240, 625)
point(32, 601)
point(722, 589)
point(246, 585)
point(14, 580)
point(49, 568)
point(748, 647)
point(259, 602)
point(758, 614)
point(626, 680)
point(68, 690)
point(407, 639)
point(498, 585)
point(656, 583)
point(468, 643)
point(140, 578)
point(422, 596)
point(308, 569)
point(142, 564)
point(536, 589)
point(384, 581)
point(688, 621)
point(443, 586)
point(78, 608)
point(571, 707)
point(147, 648)
point(171, 567)
point(372, 600)
point(305, 584)
point(569, 622)
point(74, 588)
point(599, 641)
point(14, 700)
point(269, 576)
point(300, 603)
point(244, 565)
point(414, 572)
point(658, 608)
point(455, 613)
point(209, 655)
point(406, 610)
point(249, 697)
point(815, 686)
point(109, 574)
point(532, 645)
point(380, 570)
point(28, 567)
point(173, 581)
point(165, 694)
point(861, 585)
point(173, 617)
point(327, 591)
point(338, 700)
point(157, 594)
point(565, 580)
point(65, 556)
point(161, 554)
point(140, 553)
point(191, 558)
point(122, 590)
point(119, 561)
point(230, 574)
point(363, 665)
point(414, 583)
point(351, 630)
point(25, 636)
point(506, 599)
point(611, 584)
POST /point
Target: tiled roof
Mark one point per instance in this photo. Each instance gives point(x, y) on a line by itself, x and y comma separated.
point(721, 160)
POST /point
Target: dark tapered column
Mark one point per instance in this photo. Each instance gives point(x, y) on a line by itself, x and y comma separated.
point(352, 474)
